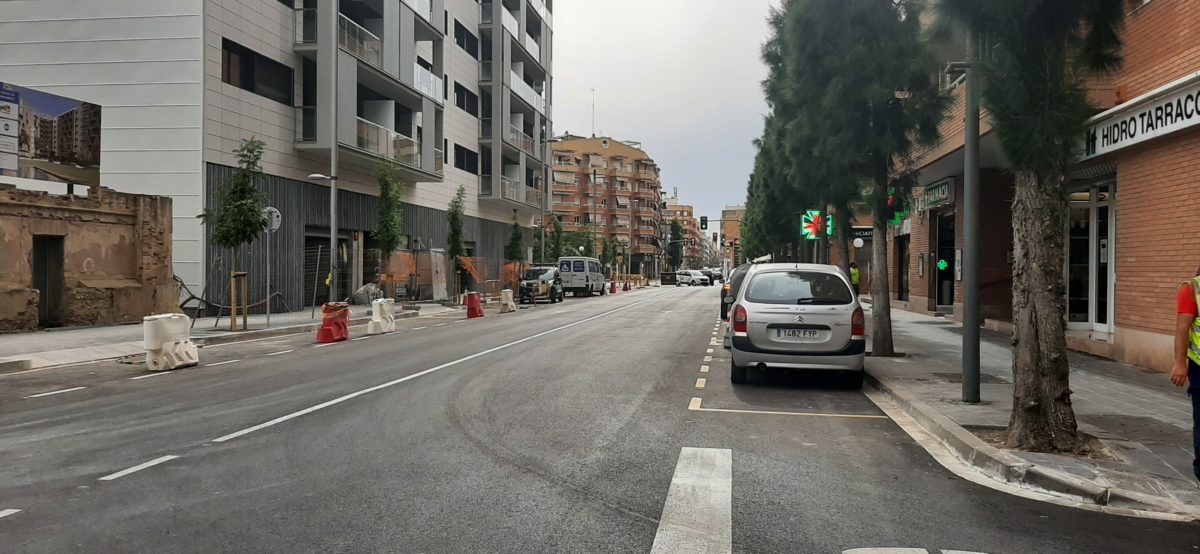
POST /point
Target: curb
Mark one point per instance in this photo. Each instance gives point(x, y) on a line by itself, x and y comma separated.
point(20, 364)
point(1005, 467)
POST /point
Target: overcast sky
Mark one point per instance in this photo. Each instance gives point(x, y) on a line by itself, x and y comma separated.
point(681, 76)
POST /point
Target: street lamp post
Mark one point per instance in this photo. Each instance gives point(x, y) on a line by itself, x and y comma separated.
point(333, 228)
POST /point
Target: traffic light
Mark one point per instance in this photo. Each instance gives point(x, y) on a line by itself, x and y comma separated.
point(714, 237)
point(703, 223)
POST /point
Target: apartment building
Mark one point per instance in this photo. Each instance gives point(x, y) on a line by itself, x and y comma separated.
point(685, 215)
point(456, 92)
point(610, 188)
point(1132, 219)
point(731, 235)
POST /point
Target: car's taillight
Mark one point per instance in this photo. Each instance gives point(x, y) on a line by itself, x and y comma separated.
point(739, 319)
point(725, 289)
point(858, 323)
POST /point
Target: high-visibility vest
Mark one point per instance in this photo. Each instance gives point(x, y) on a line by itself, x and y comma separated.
point(1194, 347)
point(854, 276)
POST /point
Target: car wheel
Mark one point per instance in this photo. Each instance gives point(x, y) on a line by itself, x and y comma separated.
point(737, 374)
point(853, 379)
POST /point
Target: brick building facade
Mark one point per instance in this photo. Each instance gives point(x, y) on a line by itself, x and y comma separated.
point(1133, 207)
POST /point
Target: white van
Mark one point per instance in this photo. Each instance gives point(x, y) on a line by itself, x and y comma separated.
point(581, 275)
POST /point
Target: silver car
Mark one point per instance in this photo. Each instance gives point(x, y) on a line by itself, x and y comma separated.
point(797, 316)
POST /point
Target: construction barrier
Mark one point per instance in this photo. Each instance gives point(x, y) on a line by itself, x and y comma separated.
point(168, 342)
point(506, 301)
point(612, 287)
point(474, 306)
point(335, 322)
point(383, 316)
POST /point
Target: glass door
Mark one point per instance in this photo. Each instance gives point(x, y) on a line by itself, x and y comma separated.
point(1089, 260)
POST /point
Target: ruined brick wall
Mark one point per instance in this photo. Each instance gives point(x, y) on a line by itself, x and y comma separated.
point(116, 263)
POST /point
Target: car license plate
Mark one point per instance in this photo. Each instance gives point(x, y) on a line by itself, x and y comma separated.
point(803, 334)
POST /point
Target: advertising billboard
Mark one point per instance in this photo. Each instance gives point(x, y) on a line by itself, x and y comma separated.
point(48, 137)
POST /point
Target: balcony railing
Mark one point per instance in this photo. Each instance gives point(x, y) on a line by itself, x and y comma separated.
point(532, 46)
point(485, 70)
point(424, 8)
point(356, 40)
point(439, 161)
point(386, 143)
point(509, 21)
point(306, 25)
point(533, 196)
point(508, 189)
point(646, 174)
point(519, 139)
point(540, 7)
point(426, 82)
point(306, 123)
point(526, 92)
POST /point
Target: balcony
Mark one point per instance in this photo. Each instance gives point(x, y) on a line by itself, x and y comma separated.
point(424, 8)
point(509, 21)
point(306, 123)
point(363, 44)
point(534, 196)
point(526, 92)
point(518, 138)
point(439, 160)
point(539, 7)
point(647, 174)
point(386, 143)
point(306, 25)
point(485, 13)
point(485, 71)
point(427, 83)
point(532, 46)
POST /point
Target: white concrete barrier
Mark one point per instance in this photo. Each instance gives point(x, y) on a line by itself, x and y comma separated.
point(383, 316)
point(168, 342)
point(506, 301)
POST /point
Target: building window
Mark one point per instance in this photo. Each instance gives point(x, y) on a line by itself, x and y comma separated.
point(466, 100)
point(466, 160)
point(465, 40)
point(251, 71)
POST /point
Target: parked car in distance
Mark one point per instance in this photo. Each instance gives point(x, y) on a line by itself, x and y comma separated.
point(581, 275)
point(797, 316)
point(541, 283)
point(712, 277)
point(691, 278)
point(729, 288)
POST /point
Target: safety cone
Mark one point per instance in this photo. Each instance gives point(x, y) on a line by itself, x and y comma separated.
point(612, 287)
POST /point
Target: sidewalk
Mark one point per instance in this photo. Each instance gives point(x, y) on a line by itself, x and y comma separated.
point(21, 351)
point(1143, 420)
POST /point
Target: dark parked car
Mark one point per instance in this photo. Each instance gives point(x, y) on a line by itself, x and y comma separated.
point(730, 288)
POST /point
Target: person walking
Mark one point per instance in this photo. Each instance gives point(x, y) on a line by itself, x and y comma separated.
point(1186, 370)
point(855, 276)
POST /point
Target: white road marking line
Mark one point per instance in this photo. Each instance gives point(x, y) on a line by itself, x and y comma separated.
point(8, 512)
point(703, 369)
point(439, 325)
point(708, 351)
point(695, 407)
point(137, 468)
point(224, 362)
point(667, 312)
point(419, 328)
point(40, 394)
point(324, 344)
point(362, 338)
point(708, 358)
point(698, 513)
point(701, 382)
point(149, 375)
point(459, 321)
point(280, 352)
point(394, 382)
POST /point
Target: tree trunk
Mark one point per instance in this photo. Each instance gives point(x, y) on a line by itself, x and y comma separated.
point(1042, 418)
point(843, 237)
point(881, 299)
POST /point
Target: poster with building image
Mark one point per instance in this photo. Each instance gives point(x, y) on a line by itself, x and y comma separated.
point(48, 137)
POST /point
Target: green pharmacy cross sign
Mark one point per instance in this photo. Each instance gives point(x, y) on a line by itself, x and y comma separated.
point(942, 265)
point(812, 222)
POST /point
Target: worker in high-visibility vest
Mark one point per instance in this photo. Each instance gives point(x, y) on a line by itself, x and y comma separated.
point(855, 277)
point(1187, 354)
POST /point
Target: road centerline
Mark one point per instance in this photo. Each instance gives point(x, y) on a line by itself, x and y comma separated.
point(138, 467)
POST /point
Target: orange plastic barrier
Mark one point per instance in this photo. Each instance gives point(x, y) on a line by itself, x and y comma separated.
point(612, 287)
point(474, 306)
point(335, 322)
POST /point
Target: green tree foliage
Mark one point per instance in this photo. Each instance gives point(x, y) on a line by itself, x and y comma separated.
point(852, 91)
point(455, 246)
point(238, 216)
point(556, 241)
point(675, 248)
point(389, 227)
point(1040, 52)
point(514, 251)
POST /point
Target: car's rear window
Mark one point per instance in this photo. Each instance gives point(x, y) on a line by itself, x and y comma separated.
point(798, 287)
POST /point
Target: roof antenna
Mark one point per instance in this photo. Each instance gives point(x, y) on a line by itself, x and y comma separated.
point(593, 112)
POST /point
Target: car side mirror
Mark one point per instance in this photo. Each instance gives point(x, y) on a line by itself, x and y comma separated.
point(729, 299)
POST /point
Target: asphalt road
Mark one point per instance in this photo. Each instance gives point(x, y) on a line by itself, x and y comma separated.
point(561, 428)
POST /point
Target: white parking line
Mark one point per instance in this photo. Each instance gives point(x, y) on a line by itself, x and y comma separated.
point(708, 358)
point(221, 363)
point(709, 351)
point(439, 325)
point(280, 352)
point(324, 344)
point(395, 382)
point(701, 382)
point(137, 468)
point(362, 338)
point(703, 369)
point(40, 394)
point(419, 328)
point(8, 512)
point(149, 375)
point(698, 513)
